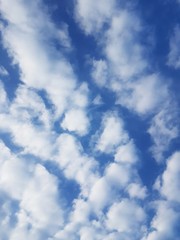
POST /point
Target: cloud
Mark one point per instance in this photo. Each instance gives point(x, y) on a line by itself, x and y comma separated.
point(163, 129)
point(126, 217)
point(135, 190)
point(28, 106)
point(111, 134)
point(122, 49)
point(100, 72)
point(3, 98)
point(143, 96)
point(3, 71)
point(35, 192)
point(165, 223)
point(35, 140)
point(127, 153)
point(174, 52)
point(26, 37)
point(93, 15)
point(171, 177)
point(56, 143)
point(76, 120)
point(75, 163)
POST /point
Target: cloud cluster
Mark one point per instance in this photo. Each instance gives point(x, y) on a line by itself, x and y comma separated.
point(125, 69)
point(53, 141)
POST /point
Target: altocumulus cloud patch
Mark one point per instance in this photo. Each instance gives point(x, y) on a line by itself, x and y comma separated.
point(89, 120)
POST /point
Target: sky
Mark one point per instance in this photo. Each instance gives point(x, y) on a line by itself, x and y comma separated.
point(89, 120)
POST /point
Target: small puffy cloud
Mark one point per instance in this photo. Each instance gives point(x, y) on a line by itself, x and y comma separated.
point(112, 133)
point(126, 153)
point(40, 200)
point(118, 175)
point(28, 106)
point(76, 120)
point(122, 49)
point(110, 186)
point(91, 15)
point(100, 72)
point(14, 177)
point(75, 163)
point(79, 99)
point(39, 215)
point(101, 194)
point(135, 190)
point(165, 223)
point(126, 217)
point(30, 194)
point(14, 173)
point(171, 179)
point(143, 96)
point(33, 139)
point(174, 52)
point(163, 129)
point(81, 211)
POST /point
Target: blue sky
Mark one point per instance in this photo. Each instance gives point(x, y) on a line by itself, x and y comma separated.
point(89, 120)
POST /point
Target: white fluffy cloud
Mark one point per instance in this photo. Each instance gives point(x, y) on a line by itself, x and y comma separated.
point(75, 163)
point(100, 72)
point(135, 190)
point(112, 133)
point(144, 95)
point(163, 129)
point(40, 65)
point(76, 120)
point(92, 15)
point(165, 223)
point(122, 48)
point(126, 153)
point(126, 216)
point(108, 198)
point(35, 191)
point(171, 178)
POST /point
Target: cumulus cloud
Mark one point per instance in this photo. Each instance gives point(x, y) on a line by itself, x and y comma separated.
point(36, 194)
point(40, 65)
point(126, 153)
point(135, 190)
point(163, 129)
point(126, 216)
point(171, 177)
point(121, 46)
point(165, 223)
point(76, 120)
point(112, 133)
point(75, 163)
point(55, 148)
point(143, 95)
point(100, 72)
point(93, 15)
